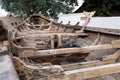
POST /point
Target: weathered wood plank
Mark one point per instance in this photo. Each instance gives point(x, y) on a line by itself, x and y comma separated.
point(62, 34)
point(87, 64)
point(43, 31)
point(64, 51)
point(92, 72)
point(86, 73)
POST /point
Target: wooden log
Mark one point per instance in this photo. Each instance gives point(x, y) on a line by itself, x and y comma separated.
point(65, 51)
point(7, 70)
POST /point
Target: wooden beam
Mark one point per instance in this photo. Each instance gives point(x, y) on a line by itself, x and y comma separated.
point(62, 34)
point(65, 51)
point(87, 73)
point(43, 31)
point(87, 64)
point(100, 30)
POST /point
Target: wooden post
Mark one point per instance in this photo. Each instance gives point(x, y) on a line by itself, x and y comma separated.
point(59, 40)
point(52, 41)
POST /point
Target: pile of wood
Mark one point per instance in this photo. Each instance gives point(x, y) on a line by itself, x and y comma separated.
point(45, 50)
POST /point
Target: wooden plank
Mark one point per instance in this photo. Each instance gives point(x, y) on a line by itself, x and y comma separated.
point(86, 73)
point(65, 51)
point(43, 31)
point(7, 70)
point(87, 64)
point(92, 72)
point(62, 34)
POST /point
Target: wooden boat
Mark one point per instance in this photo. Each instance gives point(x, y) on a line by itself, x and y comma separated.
point(45, 50)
